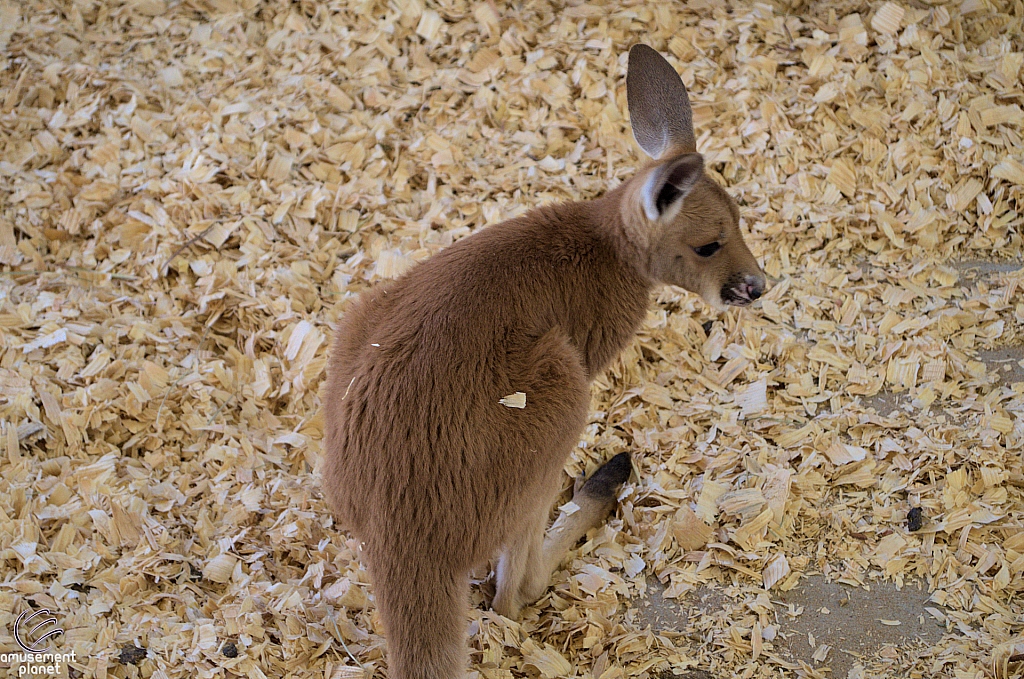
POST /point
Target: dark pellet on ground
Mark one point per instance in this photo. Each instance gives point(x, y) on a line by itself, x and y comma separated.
point(915, 519)
point(131, 655)
point(707, 327)
point(230, 650)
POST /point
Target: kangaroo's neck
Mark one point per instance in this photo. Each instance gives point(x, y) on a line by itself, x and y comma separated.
point(605, 296)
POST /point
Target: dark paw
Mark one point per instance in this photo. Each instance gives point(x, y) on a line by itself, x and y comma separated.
point(607, 480)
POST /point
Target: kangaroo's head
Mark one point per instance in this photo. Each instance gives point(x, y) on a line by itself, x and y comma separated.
point(685, 224)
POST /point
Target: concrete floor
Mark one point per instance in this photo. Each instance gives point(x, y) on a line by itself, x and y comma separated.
point(847, 619)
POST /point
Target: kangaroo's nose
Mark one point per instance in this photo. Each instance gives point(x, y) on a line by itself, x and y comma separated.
point(743, 289)
point(752, 287)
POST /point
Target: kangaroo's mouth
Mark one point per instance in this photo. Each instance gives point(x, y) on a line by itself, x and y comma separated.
point(736, 300)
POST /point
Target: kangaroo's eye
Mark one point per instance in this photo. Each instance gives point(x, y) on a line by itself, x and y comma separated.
point(707, 250)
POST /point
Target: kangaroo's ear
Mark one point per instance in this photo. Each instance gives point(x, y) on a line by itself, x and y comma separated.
point(659, 110)
point(668, 184)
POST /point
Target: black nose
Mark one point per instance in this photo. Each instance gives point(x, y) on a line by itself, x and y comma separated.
point(752, 287)
point(743, 290)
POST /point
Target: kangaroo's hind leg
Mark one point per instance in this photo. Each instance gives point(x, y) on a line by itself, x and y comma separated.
point(520, 578)
point(424, 607)
point(527, 561)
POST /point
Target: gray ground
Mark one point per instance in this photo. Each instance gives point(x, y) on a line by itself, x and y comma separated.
point(1006, 359)
point(847, 619)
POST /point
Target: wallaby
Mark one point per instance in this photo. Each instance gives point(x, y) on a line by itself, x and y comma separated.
point(425, 465)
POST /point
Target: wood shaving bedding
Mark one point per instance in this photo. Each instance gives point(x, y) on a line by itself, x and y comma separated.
point(191, 192)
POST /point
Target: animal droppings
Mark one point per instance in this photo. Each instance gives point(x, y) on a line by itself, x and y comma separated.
point(915, 519)
point(131, 655)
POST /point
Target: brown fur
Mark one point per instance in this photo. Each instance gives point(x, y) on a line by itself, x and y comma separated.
point(421, 461)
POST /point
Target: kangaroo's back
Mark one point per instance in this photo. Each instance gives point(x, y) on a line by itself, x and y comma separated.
point(420, 364)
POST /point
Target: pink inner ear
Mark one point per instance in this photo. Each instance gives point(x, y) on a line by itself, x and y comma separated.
point(670, 183)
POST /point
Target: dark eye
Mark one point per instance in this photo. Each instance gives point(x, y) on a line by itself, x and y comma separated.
point(707, 250)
